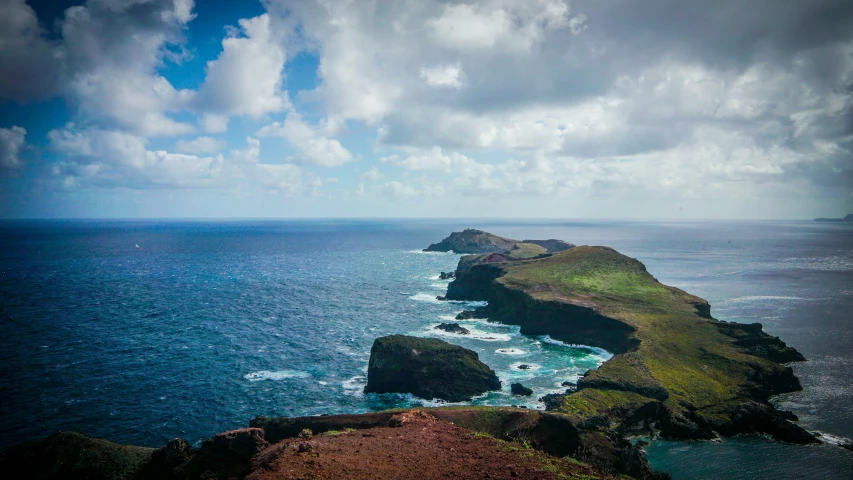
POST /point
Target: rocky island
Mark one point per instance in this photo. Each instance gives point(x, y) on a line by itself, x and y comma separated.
point(676, 372)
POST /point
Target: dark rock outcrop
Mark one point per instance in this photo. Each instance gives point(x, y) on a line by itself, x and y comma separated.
point(520, 390)
point(446, 275)
point(453, 328)
point(472, 241)
point(428, 368)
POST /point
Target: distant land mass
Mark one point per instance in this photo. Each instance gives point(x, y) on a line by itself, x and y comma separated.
point(848, 218)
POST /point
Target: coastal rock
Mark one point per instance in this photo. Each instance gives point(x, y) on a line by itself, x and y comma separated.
point(520, 390)
point(524, 366)
point(428, 368)
point(239, 444)
point(453, 328)
point(446, 275)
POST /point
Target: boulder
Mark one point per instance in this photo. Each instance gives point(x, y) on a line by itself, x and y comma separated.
point(428, 368)
point(521, 390)
point(453, 328)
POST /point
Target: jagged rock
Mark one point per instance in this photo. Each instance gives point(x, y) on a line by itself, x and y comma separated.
point(453, 328)
point(446, 275)
point(524, 366)
point(440, 298)
point(240, 444)
point(428, 368)
point(568, 383)
point(521, 390)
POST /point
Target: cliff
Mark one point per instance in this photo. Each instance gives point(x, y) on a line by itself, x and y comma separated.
point(496, 443)
point(677, 370)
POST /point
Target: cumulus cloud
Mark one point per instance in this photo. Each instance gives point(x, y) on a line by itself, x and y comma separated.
point(247, 78)
point(94, 158)
point(443, 76)
point(315, 144)
point(28, 63)
point(12, 141)
point(200, 145)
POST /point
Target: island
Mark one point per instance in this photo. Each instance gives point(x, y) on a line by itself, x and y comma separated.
point(847, 218)
point(676, 373)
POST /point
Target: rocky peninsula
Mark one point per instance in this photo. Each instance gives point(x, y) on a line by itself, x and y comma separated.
point(676, 372)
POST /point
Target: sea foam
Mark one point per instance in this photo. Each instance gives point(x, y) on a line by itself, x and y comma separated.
point(278, 375)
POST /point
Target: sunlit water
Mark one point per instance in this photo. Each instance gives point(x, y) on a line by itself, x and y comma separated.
point(205, 325)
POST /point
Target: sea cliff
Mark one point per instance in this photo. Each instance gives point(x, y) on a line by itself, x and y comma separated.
point(677, 371)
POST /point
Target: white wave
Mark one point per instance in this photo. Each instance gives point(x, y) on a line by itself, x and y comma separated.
point(440, 286)
point(600, 352)
point(279, 375)
point(474, 334)
point(831, 439)
point(354, 385)
point(424, 297)
point(511, 351)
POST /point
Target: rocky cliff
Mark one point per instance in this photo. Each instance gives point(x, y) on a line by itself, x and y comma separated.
point(677, 371)
point(428, 368)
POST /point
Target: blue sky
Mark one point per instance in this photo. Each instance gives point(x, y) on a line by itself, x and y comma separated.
point(491, 108)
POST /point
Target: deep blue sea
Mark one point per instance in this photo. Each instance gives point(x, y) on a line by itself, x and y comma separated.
point(141, 331)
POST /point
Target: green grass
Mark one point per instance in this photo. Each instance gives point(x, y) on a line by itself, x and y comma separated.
point(680, 351)
point(525, 250)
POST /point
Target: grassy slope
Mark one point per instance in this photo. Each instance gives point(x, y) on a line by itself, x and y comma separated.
point(525, 250)
point(681, 351)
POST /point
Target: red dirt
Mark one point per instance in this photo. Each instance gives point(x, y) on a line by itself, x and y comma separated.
point(421, 447)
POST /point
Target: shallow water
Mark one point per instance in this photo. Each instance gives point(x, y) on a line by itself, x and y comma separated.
point(206, 325)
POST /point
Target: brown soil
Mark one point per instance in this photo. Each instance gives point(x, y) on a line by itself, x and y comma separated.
point(415, 446)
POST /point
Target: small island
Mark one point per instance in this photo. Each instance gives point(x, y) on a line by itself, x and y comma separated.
point(847, 218)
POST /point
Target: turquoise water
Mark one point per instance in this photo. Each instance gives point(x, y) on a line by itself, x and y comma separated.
point(142, 331)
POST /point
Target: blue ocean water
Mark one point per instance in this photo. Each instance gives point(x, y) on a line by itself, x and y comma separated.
point(141, 331)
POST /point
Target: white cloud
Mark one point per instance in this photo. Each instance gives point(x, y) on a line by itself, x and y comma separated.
point(111, 52)
point(28, 64)
point(371, 175)
point(314, 144)
point(12, 141)
point(443, 76)
point(212, 123)
point(247, 78)
point(107, 159)
point(397, 189)
point(200, 145)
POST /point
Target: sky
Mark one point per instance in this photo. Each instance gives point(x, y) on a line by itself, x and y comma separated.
point(608, 109)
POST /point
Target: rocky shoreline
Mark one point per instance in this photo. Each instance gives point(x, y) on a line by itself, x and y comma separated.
point(676, 372)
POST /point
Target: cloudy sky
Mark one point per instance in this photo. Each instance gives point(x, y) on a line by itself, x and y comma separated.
point(410, 108)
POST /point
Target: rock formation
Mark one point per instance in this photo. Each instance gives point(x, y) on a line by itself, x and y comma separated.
point(428, 368)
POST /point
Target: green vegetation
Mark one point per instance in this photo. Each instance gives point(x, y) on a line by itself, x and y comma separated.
point(678, 356)
point(523, 251)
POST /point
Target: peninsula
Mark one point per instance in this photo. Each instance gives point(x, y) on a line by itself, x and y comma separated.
point(676, 372)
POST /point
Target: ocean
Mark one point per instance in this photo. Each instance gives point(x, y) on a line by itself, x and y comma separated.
point(142, 331)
